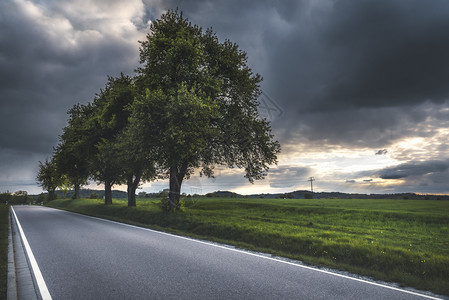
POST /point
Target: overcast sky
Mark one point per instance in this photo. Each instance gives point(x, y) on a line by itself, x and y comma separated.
point(357, 91)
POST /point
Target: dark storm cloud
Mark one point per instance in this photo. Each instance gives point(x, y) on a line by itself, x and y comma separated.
point(365, 127)
point(381, 152)
point(393, 175)
point(366, 54)
point(41, 76)
point(416, 176)
point(413, 176)
point(346, 62)
point(415, 169)
point(47, 64)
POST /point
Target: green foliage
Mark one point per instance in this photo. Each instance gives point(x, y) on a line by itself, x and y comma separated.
point(94, 196)
point(110, 105)
point(163, 194)
point(48, 177)
point(5, 198)
point(22, 197)
point(175, 128)
point(105, 119)
point(110, 118)
point(119, 158)
point(405, 241)
point(65, 185)
point(164, 205)
point(200, 104)
point(308, 196)
point(19, 197)
point(70, 155)
point(192, 106)
point(288, 196)
point(41, 198)
point(215, 119)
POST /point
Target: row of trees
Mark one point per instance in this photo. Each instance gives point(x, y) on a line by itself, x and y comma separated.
point(191, 105)
point(19, 197)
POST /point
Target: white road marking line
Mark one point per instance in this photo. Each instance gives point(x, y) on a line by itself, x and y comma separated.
point(45, 294)
point(265, 257)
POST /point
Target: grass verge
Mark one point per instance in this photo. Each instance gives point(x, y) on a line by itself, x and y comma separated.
point(403, 241)
point(4, 211)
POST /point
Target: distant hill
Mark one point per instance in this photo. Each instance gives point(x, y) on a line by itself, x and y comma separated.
point(328, 195)
point(301, 194)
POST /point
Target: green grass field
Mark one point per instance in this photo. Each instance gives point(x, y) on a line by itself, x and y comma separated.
point(4, 210)
point(403, 241)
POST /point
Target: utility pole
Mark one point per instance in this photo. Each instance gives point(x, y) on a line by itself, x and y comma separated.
point(311, 179)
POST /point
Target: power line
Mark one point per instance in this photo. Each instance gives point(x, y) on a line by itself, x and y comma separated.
point(311, 179)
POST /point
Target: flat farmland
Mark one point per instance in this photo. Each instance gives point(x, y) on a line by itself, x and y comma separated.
point(403, 241)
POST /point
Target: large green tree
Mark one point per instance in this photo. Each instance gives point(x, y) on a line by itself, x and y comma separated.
point(136, 165)
point(72, 152)
point(116, 159)
point(48, 178)
point(199, 104)
point(109, 118)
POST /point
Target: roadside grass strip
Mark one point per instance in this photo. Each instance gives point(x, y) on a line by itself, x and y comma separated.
point(4, 211)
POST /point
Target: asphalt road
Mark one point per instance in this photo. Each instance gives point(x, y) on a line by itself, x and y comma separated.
point(87, 258)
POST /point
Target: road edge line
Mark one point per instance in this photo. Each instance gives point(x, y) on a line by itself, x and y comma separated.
point(44, 293)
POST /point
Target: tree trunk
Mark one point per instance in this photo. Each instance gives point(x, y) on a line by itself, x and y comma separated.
point(133, 183)
point(176, 178)
point(131, 197)
point(77, 190)
point(107, 192)
point(131, 194)
point(51, 195)
point(175, 188)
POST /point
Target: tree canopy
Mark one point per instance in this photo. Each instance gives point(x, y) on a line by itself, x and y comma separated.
point(109, 120)
point(48, 178)
point(191, 106)
point(202, 99)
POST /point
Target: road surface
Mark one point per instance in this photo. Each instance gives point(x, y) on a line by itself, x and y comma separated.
point(81, 257)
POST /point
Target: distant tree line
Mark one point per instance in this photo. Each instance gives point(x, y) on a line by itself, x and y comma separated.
point(191, 105)
point(19, 197)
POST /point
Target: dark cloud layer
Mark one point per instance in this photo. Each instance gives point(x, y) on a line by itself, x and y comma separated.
point(419, 176)
point(368, 61)
point(42, 75)
point(415, 169)
point(338, 72)
point(46, 66)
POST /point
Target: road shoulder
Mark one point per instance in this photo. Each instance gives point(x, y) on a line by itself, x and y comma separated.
point(12, 286)
point(20, 279)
